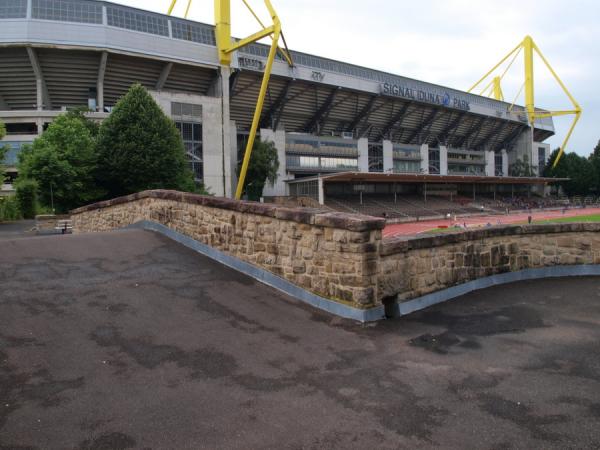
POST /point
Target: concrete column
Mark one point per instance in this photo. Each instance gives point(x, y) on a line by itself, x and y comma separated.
point(278, 138)
point(100, 81)
point(443, 160)
point(363, 155)
point(233, 154)
point(424, 158)
point(490, 163)
point(321, 192)
point(388, 156)
point(504, 163)
point(534, 160)
point(228, 188)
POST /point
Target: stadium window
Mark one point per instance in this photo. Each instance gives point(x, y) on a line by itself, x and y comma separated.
point(375, 158)
point(188, 120)
point(13, 9)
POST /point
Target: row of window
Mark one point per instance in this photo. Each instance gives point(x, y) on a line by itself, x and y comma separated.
point(407, 166)
point(320, 163)
point(465, 169)
point(13, 9)
point(67, 10)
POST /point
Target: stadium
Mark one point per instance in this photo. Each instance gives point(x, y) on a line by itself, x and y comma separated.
point(351, 138)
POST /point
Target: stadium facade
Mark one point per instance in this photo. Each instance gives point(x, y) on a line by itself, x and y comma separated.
point(324, 116)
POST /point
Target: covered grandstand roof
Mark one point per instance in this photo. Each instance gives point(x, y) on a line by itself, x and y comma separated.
point(370, 177)
point(318, 95)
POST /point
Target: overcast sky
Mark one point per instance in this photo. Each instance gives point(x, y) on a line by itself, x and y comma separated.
point(447, 42)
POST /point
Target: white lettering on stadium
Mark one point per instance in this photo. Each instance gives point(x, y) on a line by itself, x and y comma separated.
point(422, 96)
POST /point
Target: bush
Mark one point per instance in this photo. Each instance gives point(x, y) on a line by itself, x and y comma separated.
point(26, 197)
point(9, 209)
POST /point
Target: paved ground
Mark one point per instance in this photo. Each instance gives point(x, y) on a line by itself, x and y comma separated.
point(128, 340)
point(412, 228)
point(14, 230)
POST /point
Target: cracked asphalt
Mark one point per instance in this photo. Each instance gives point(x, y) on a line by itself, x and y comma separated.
point(128, 340)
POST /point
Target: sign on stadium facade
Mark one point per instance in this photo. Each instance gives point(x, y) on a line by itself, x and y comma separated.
point(423, 96)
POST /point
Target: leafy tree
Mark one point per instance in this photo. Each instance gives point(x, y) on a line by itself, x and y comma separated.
point(578, 169)
point(521, 168)
point(63, 162)
point(263, 167)
point(140, 148)
point(26, 197)
point(79, 113)
point(595, 161)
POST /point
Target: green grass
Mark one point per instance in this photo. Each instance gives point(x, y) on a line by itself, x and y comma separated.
point(443, 230)
point(589, 218)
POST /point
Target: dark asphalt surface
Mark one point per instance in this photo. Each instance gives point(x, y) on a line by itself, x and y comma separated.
point(128, 340)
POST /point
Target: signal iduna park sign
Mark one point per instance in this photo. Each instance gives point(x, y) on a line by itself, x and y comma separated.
point(395, 90)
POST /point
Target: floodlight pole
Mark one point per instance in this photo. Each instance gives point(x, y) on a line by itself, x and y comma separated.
point(226, 47)
point(530, 48)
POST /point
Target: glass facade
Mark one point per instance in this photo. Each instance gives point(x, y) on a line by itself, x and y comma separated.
point(188, 120)
point(498, 164)
point(132, 19)
point(375, 158)
point(13, 9)
point(67, 11)
point(434, 160)
point(320, 163)
point(403, 166)
point(541, 159)
point(194, 32)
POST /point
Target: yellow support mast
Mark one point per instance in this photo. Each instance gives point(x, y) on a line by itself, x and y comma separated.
point(226, 46)
point(529, 49)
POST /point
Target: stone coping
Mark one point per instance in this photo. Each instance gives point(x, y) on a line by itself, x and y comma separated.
point(403, 244)
point(311, 216)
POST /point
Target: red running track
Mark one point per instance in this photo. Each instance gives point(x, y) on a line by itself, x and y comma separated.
point(411, 228)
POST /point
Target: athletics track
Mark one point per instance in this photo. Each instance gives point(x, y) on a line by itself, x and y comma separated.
point(412, 228)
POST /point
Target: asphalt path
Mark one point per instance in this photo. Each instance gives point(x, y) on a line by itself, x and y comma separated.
point(128, 340)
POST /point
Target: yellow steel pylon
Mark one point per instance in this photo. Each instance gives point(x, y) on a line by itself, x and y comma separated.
point(226, 46)
point(493, 88)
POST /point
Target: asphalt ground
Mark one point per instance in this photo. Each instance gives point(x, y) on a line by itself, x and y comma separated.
point(128, 340)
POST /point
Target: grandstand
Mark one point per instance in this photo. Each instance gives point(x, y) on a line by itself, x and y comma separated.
point(325, 116)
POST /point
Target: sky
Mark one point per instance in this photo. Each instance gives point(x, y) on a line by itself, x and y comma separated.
point(446, 42)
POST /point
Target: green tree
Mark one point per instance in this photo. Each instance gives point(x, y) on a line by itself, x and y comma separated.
point(595, 162)
point(263, 167)
point(578, 169)
point(26, 197)
point(63, 162)
point(79, 113)
point(140, 148)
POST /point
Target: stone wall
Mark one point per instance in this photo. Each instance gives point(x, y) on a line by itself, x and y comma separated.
point(342, 256)
point(331, 254)
point(415, 267)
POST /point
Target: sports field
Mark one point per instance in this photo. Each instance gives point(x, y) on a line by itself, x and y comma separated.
point(571, 215)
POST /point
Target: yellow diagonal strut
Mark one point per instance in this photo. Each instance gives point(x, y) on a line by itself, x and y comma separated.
point(225, 47)
point(529, 49)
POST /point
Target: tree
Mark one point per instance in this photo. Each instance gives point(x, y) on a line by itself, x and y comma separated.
point(578, 169)
point(26, 197)
point(140, 148)
point(595, 162)
point(263, 167)
point(63, 162)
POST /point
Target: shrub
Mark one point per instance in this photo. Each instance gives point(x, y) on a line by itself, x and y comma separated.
point(9, 209)
point(26, 197)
